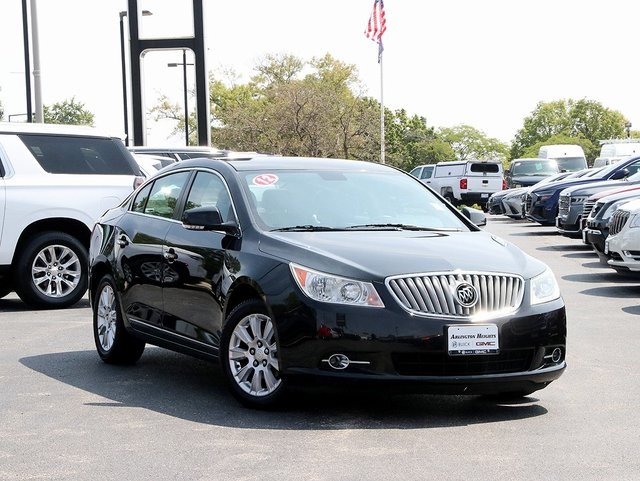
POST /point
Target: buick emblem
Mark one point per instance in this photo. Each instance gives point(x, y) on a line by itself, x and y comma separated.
point(466, 294)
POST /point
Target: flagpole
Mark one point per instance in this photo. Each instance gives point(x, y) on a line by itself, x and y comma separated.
point(381, 114)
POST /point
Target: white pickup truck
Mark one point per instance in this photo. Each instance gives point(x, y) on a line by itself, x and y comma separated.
point(464, 182)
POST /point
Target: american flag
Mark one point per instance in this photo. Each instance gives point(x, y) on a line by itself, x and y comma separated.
point(377, 25)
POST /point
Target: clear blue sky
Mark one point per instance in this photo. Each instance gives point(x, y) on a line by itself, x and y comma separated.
point(486, 64)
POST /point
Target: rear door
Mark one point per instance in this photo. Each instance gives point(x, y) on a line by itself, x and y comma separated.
point(138, 249)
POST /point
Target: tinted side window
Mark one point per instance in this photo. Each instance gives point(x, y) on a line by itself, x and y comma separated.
point(140, 201)
point(209, 190)
point(488, 168)
point(164, 195)
point(58, 154)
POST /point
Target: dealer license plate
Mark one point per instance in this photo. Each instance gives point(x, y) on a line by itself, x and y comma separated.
point(606, 246)
point(473, 339)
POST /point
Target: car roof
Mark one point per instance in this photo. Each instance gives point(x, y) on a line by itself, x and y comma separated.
point(56, 129)
point(272, 163)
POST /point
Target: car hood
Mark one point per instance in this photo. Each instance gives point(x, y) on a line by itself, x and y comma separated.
point(558, 186)
point(376, 255)
point(527, 180)
point(598, 186)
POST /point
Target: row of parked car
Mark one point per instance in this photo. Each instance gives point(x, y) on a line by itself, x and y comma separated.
point(598, 205)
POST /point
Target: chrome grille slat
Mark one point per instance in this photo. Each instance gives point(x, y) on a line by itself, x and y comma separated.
point(617, 222)
point(434, 294)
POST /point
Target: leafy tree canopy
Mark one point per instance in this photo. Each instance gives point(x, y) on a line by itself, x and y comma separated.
point(470, 143)
point(69, 112)
point(585, 121)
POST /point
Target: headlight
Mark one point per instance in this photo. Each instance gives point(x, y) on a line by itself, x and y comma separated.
point(634, 221)
point(544, 288)
point(579, 200)
point(337, 290)
point(612, 208)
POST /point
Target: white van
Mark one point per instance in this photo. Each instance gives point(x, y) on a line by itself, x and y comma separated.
point(569, 157)
point(614, 150)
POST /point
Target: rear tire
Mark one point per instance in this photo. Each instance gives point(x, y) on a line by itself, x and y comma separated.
point(51, 272)
point(114, 344)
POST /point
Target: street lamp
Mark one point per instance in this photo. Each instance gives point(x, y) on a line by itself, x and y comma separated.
point(145, 13)
point(184, 79)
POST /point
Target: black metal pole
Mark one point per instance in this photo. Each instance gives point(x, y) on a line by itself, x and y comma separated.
point(124, 80)
point(27, 61)
point(186, 107)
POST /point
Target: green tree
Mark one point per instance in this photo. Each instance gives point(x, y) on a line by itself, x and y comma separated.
point(584, 122)
point(69, 112)
point(292, 107)
point(467, 142)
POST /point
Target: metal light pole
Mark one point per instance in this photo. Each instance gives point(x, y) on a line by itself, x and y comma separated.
point(184, 80)
point(145, 13)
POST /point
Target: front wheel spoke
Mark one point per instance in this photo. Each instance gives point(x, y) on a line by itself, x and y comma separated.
point(243, 374)
point(270, 380)
point(242, 333)
point(256, 382)
point(268, 332)
point(274, 363)
point(237, 354)
point(256, 326)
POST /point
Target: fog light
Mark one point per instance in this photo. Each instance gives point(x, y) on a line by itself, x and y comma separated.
point(338, 361)
point(556, 355)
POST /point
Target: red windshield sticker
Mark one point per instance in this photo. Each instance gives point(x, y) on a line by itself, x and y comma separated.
point(265, 179)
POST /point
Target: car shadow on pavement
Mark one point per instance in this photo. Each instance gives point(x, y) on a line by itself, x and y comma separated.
point(180, 386)
point(615, 292)
point(600, 277)
point(15, 304)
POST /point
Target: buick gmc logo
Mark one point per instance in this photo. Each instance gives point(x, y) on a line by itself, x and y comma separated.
point(466, 295)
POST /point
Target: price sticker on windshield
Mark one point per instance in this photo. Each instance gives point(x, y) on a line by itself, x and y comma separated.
point(265, 179)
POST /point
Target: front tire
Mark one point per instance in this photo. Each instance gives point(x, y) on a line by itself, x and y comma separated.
point(249, 356)
point(51, 272)
point(114, 344)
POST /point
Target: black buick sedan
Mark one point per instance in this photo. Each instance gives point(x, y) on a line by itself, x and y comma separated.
point(292, 269)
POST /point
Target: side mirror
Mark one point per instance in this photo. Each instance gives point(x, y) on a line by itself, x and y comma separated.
point(208, 218)
point(474, 215)
point(620, 174)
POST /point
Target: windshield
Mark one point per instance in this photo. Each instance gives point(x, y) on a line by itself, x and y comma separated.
point(538, 167)
point(321, 200)
point(571, 164)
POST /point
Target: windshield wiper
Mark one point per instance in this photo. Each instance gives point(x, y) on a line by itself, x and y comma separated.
point(305, 228)
point(402, 227)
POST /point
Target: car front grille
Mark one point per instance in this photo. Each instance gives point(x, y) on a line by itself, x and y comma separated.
point(435, 293)
point(441, 364)
point(564, 204)
point(617, 222)
point(586, 209)
point(528, 202)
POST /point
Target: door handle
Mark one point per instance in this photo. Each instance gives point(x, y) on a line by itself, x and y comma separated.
point(123, 241)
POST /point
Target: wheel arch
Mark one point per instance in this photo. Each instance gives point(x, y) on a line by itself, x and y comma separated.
point(242, 292)
point(73, 227)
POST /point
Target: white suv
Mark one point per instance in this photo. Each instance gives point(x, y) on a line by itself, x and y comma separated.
point(55, 181)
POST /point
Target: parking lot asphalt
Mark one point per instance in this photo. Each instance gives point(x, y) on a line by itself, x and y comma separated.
point(65, 415)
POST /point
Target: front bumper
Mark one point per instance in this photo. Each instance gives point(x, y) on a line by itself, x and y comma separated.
point(411, 352)
point(543, 212)
point(567, 228)
point(620, 252)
